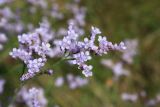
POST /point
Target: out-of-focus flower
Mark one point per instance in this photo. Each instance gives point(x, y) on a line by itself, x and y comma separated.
point(41, 3)
point(2, 82)
point(2, 2)
point(73, 81)
point(55, 12)
point(151, 103)
point(34, 97)
point(59, 82)
point(76, 81)
point(129, 97)
point(10, 21)
point(78, 12)
point(50, 72)
point(117, 68)
point(7, 13)
point(131, 51)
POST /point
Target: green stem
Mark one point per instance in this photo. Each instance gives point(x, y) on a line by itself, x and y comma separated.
point(62, 59)
point(23, 69)
point(21, 85)
point(16, 93)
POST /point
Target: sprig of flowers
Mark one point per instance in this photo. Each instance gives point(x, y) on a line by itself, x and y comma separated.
point(80, 51)
point(33, 49)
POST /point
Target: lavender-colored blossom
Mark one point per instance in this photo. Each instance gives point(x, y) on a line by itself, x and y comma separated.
point(31, 45)
point(27, 76)
point(50, 72)
point(76, 81)
point(59, 82)
point(45, 30)
point(117, 68)
point(78, 12)
point(34, 97)
point(73, 81)
point(3, 22)
point(94, 31)
point(131, 50)
point(54, 52)
point(129, 97)
point(62, 31)
point(55, 12)
point(7, 13)
point(81, 57)
point(105, 46)
point(3, 38)
point(151, 103)
point(70, 40)
point(21, 54)
point(80, 51)
point(10, 21)
point(87, 70)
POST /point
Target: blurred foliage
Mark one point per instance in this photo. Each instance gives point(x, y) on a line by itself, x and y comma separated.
point(118, 20)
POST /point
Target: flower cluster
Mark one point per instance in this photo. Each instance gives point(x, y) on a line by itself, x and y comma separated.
point(131, 50)
point(80, 51)
point(129, 97)
point(10, 21)
point(33, 49)
point(134, 97)
point(34, 97)
point(73, 81)
point(79, 14)
point(153, 101)
point(127, 56)
point(55, 12)
point(76, 81)
point(117, 68)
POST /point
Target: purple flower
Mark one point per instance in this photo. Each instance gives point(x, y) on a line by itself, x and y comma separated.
point(80, 51)
point(59, 82)
point(86, 70)
point(33, 97)
point(31, 45)
point(76, 81)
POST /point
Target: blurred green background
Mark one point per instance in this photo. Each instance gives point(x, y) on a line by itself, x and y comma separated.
point(118, 20)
